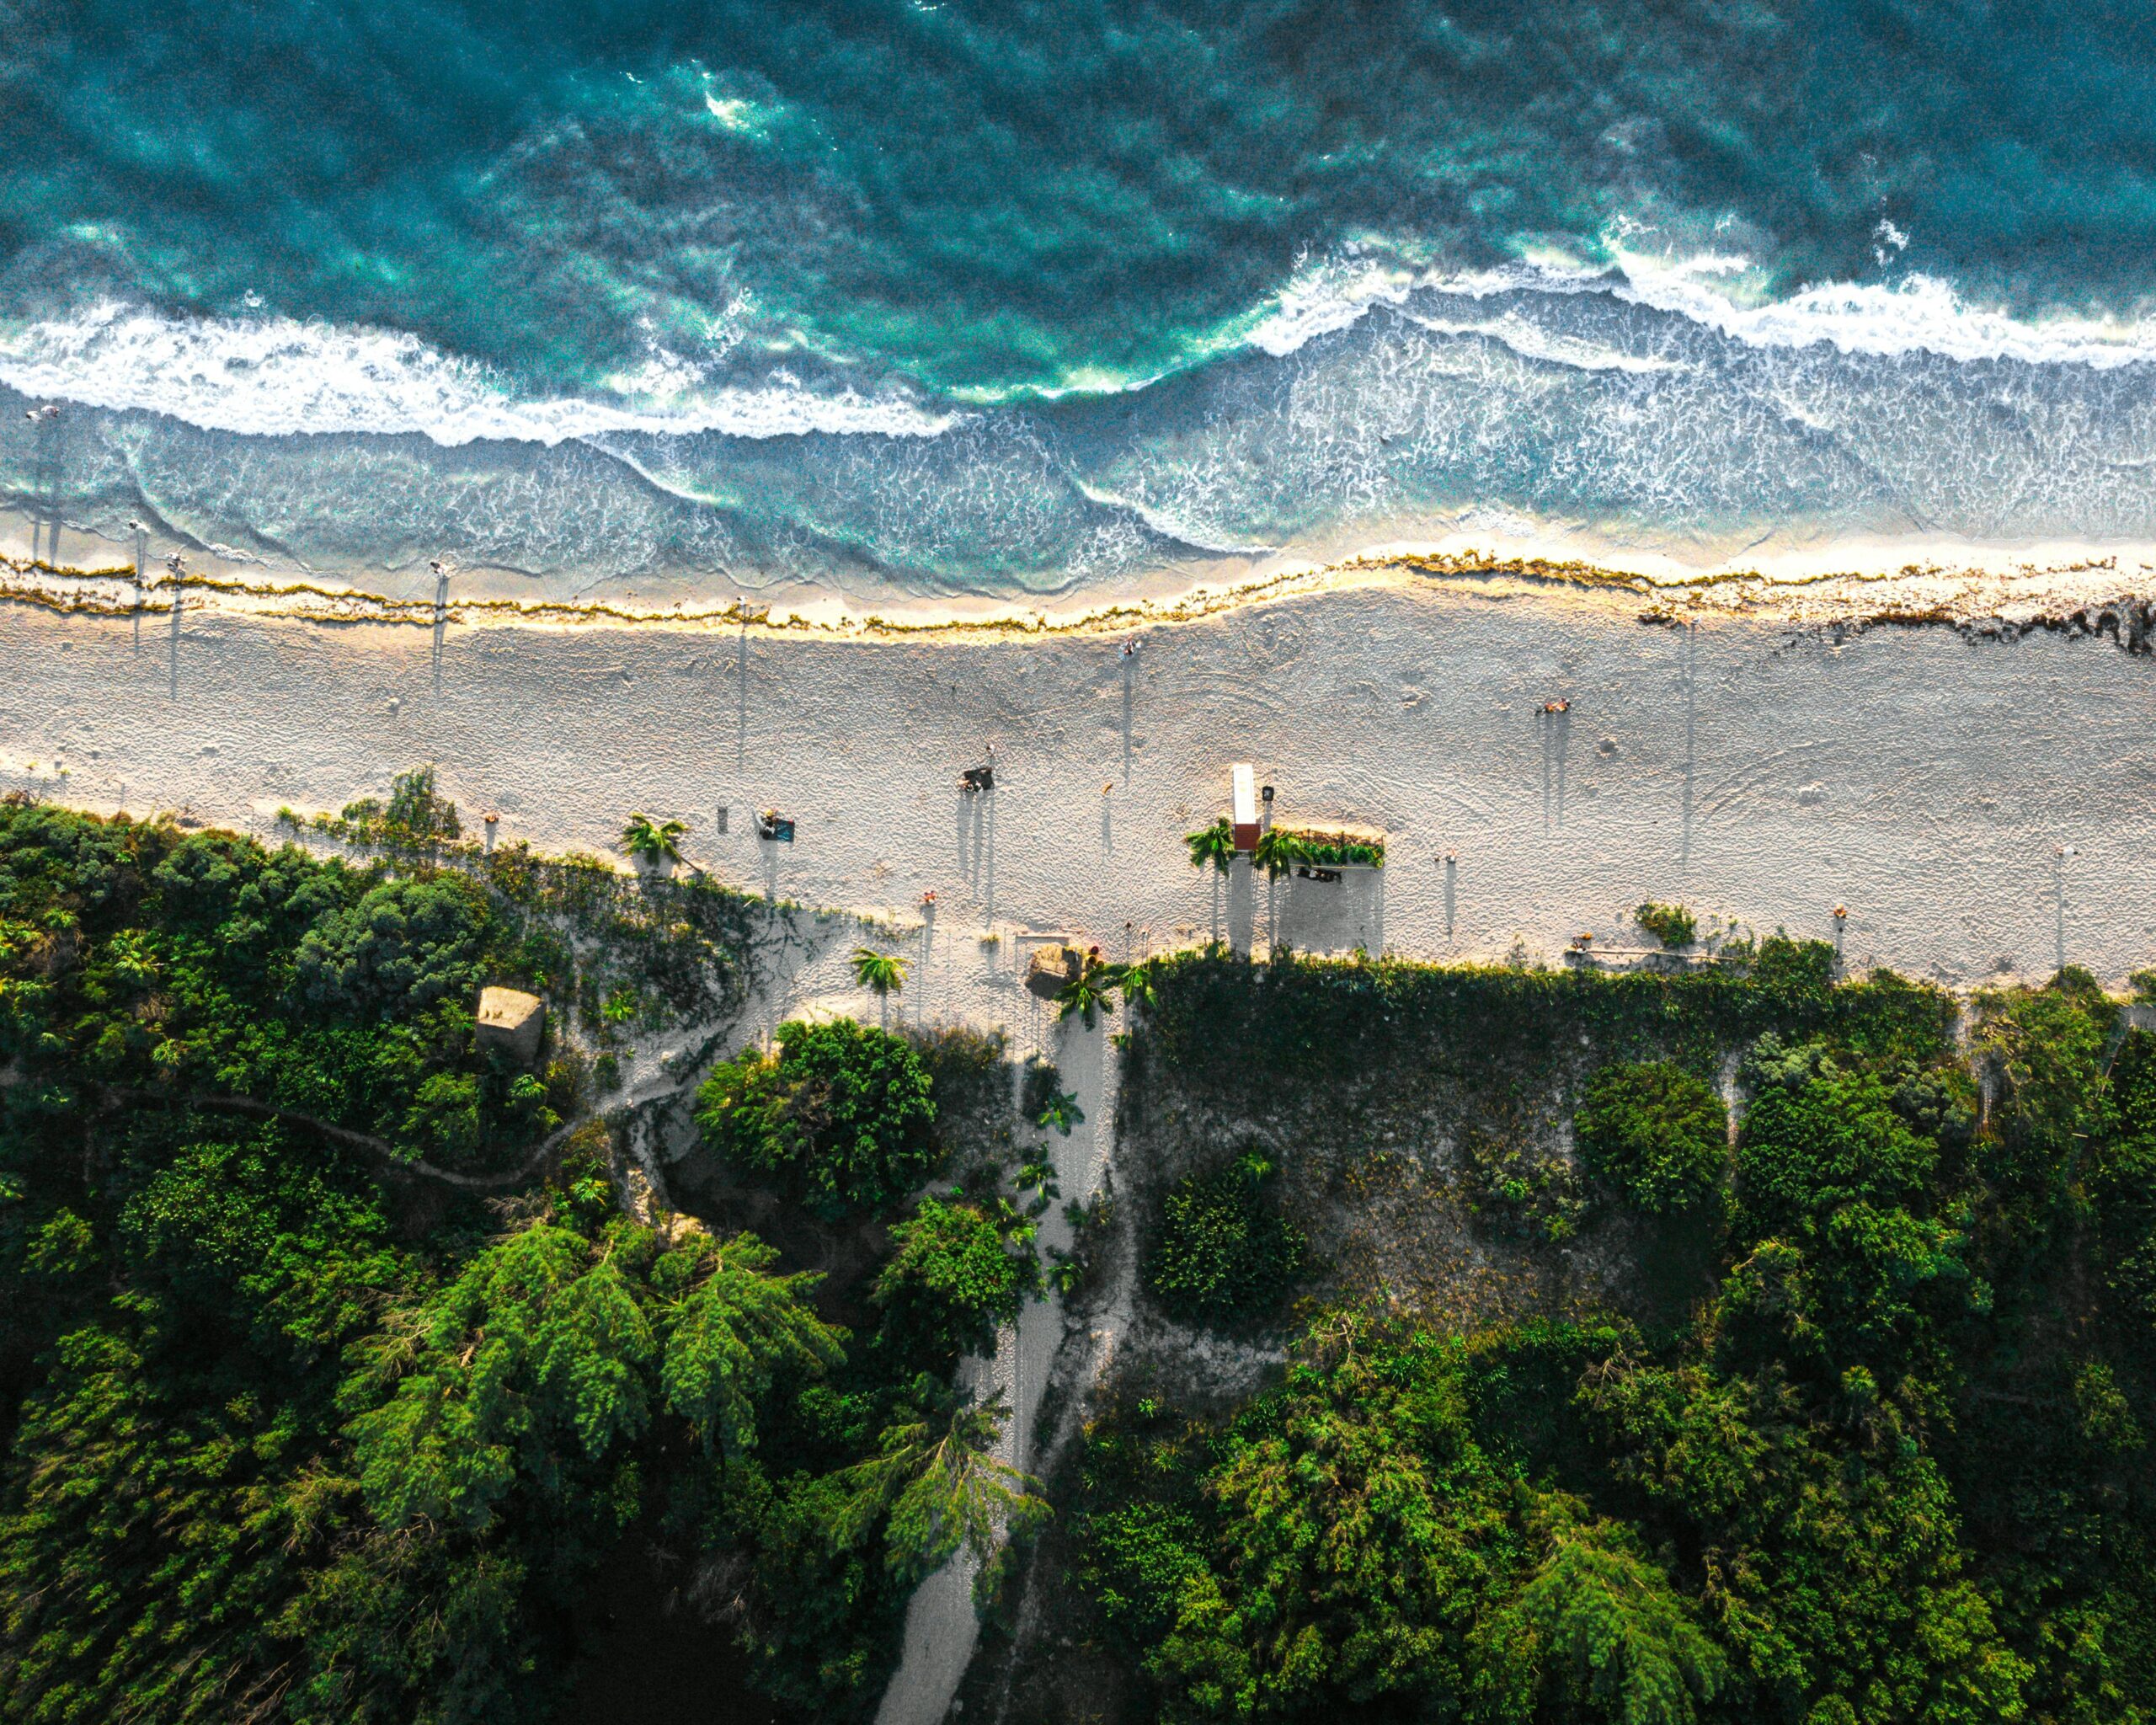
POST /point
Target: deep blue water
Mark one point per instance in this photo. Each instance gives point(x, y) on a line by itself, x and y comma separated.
point(1020, 294)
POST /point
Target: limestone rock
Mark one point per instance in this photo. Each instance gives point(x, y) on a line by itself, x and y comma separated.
point(1053, 968)
point(511, 1021)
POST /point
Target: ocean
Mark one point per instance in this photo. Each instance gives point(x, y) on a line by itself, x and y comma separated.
point(1024, 297)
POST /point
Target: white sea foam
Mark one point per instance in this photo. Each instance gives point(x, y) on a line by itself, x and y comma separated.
point(1916, 314)
point(1170, 527)
point(277, 376)
point(1531, 341)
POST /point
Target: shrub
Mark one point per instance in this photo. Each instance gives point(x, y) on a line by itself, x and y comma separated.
point(1282, 848)
point(404, 945)
point(1225, 1249)
point(1653, 1132)
point(840, 1116)
point(417, 815)
point(1818, 1137)
point(1514, 1190)
point(1670, 924)
point(952, 1279)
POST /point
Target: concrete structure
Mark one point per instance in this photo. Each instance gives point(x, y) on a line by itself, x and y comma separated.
point(1244, 801)
point(511, 1021)
point(1053, 970)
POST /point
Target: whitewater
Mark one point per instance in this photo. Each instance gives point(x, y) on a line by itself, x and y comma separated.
point(1646, 409)
point(279, 376)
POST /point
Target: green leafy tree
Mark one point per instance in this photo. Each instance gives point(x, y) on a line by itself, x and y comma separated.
point(1817, 1136)
point(1853, 1282)
point(1836, 1577)
point(2046, 1048)
point(1225, 1250)
point(936, 1485)
point(1358, 1533)
point(539, 1345)
point(402, 947)
point(1654, 1133)
point(952, 1277)
point(840, 1115)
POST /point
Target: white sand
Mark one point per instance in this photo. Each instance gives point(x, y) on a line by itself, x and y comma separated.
point(1747, 768)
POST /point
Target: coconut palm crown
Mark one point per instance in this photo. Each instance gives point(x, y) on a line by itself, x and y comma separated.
point(653, 840)
point(882, 973)
point(1086, 994)
point(1215, 844)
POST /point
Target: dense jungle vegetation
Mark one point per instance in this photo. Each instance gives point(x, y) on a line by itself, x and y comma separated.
point(331, 1367)
point(1872, 1443)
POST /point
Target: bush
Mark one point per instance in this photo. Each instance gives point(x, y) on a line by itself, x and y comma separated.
point(952, 1280)
point(1817, 1138)
point(840, 1116)
point(403, 946)
point(1653, 1132)
point(1670, 924)
point(1225, 1250)
point(1515, 1191)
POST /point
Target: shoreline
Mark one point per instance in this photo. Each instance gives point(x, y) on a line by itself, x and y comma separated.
point(1855, 584)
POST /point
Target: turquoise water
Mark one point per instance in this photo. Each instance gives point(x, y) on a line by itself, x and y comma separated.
point(1017, 297)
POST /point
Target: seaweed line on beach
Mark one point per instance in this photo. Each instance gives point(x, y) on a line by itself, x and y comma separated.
point(2082, 596)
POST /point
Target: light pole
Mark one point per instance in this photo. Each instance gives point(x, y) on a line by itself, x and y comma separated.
point(442, 612)
point(141, 555)
point(2061, 856)
point(178, 566)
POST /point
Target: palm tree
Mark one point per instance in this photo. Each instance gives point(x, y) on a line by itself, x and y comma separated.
point(653, 841)
point(1136, 982)
point(1279, 848)
point(1215, 844)
point(943, 1489)
point(1087, 992)
point(1062, 1113)
point(882, 973)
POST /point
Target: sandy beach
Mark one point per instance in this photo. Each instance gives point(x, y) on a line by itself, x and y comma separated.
point(1975, 799)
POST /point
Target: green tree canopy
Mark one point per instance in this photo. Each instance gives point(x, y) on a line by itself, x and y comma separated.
point(938, 1486)
point(1819, 1136)
point(1225, 1249)
point(1357, 1531)
point(404, 945)
point(731, 1327)
point(839, 1114)
point(1834, 1583)
point(953, 1278)
point(1653, 1132)
point(1599, 1632)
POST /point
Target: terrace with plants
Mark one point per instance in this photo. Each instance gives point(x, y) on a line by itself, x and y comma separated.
point(1282, 850)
